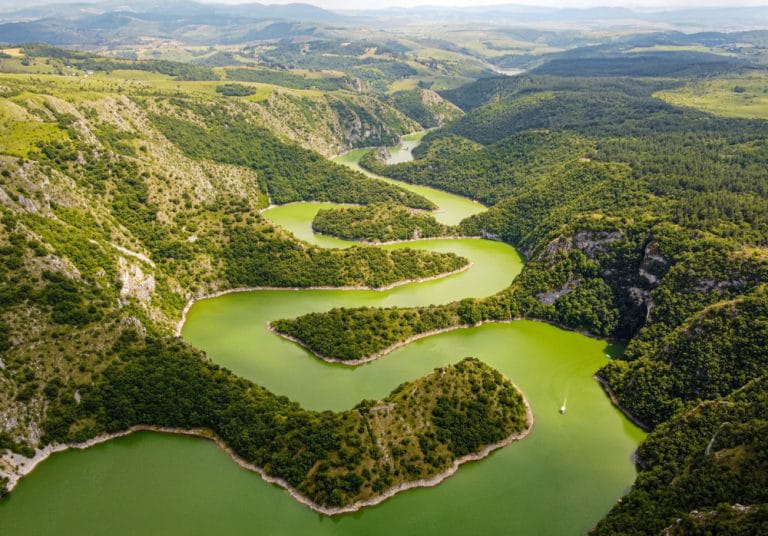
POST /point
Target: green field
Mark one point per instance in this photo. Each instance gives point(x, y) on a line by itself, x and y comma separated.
point(743, 96)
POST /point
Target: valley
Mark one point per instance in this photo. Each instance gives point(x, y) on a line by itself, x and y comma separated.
point(232, 330)
point(372, 271)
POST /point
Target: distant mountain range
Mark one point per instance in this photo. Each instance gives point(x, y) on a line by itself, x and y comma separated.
point(113, 21)
point(736, 16)
point(163, 10)
point(117, 21)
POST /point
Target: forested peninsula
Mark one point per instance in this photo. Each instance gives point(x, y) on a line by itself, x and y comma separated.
point(333, 462)
point(379, 222)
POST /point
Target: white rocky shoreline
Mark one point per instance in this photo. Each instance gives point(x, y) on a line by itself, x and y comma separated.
point(18, 466)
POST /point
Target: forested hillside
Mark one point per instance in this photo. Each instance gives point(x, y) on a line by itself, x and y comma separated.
point(702, 472)
point(117, 210)
point(641, 221)
point(425, 106)
point(289, 172)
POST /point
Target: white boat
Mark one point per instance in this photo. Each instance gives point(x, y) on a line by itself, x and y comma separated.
point(562, 408)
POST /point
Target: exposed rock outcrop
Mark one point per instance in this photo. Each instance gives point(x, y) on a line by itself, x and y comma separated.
point(135, 283)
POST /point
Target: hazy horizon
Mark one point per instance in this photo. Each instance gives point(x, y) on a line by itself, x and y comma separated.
point(645, 5)
point(655, 5)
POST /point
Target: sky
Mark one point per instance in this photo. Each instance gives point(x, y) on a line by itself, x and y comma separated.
point(655, 5)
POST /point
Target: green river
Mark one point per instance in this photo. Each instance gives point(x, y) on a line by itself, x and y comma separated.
point(560, 480)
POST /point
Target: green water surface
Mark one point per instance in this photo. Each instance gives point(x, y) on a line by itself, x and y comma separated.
point(559, 480)
point(451, 208)
point(403, 152)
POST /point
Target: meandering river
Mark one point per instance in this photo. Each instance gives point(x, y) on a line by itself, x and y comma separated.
point(559, 480)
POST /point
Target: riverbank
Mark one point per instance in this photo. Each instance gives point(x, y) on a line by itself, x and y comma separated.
point(393, 242)
point(372, 357)
point(272, 205)
point(615, 401)
point(24, 466)
point(396, 284)
point(381, 353)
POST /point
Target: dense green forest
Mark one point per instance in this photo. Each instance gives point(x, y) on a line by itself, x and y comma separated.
point(257, 257)
point(287, 79)
point(714, 352)
point(379, 222)
point(328, 335)
point(641, 221)
point(488, 174)
point(706, 467)
point(660, 64)
point(235, 90)
point(290, 173)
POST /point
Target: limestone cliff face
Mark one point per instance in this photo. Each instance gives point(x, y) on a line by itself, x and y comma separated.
point(652, 268)
point(653, 265)
point(134, 282)
point(590, 242)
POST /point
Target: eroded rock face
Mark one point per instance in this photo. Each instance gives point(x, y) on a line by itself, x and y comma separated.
point(653, 265)
point(442, 110)
point(131, 322)
point(549, 298)
point(642, 298)
point(649, 277)
point(136, 283)
point(53, 263)
point(559, 245)
point(652, 268)
point(490, 236)
point(707, 285)
point(30, 205)
point(590, 242)
point(594, 242)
